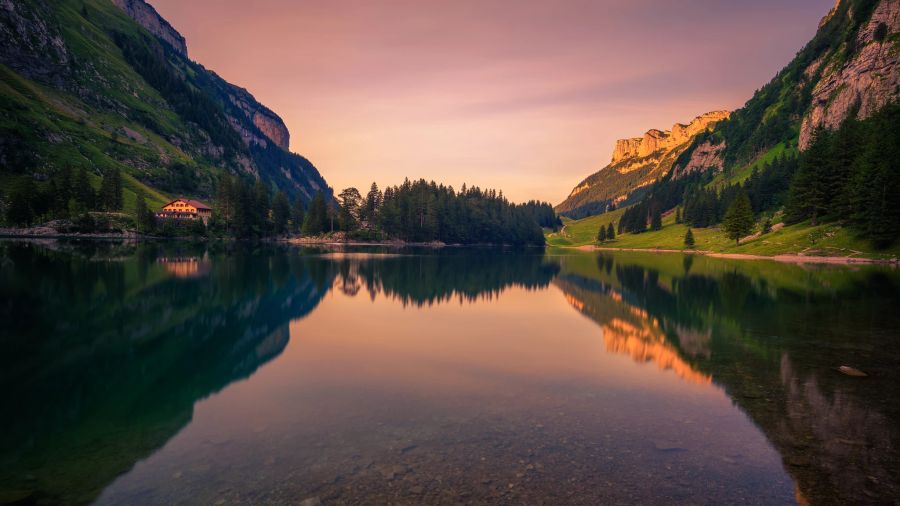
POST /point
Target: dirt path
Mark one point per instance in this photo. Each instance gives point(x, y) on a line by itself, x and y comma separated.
point(788, 258)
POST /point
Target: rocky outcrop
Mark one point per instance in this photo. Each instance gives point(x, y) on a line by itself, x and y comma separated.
point(655, 140)
point(637, 163)
point(706, 156)
point(32, 46)
point(864, 82)
point(145, 15)
point(272, 127)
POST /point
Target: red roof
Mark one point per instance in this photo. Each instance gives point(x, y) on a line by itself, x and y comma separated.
point(194, 203)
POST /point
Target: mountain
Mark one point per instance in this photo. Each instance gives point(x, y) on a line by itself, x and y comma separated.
point(848, 70)
point(636, 163)
point(106, 84)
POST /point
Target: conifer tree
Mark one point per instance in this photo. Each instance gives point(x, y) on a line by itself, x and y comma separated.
point(610, 232)
point(297, 215)
point(656, 219)
point(21, 198)
point(281, 212)
point(738, 221)
point(689, 239)
point(84, 193)
point(601, 234)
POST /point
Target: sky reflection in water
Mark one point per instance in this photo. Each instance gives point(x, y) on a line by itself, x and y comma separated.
point(438, 377)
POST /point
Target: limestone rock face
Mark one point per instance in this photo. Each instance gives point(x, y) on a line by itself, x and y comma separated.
point(145, 15)
point(704, 157)
point(639, 162)
point(864, 83)
point(273, 128)
point(655, 140)
point(250, 118)
point(31, 45)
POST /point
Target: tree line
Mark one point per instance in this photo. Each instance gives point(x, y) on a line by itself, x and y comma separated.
point(66, 195)
point(846, 176)
point(422, 211)
point(417, 211)
point(851, 175)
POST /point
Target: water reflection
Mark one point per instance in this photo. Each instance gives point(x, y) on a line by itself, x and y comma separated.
point(107, 346)
point(772, 336)
point(442, 376)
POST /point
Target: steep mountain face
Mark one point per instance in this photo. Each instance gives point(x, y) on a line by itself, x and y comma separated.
point(146, 16)
point(849, 69)
point(636, 163)
point(861, 83)
point(105, 84)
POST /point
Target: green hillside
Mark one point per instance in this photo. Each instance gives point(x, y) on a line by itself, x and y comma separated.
point(802, 238)
point(810, 147)
point(82, 85)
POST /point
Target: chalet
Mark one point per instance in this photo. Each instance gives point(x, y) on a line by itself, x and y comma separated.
point(186, 209)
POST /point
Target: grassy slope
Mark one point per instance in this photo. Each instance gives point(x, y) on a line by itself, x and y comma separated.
point(741, 174)
point(65, 131)
point(824, 240)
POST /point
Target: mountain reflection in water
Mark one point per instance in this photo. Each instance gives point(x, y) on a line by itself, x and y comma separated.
point(108, 347)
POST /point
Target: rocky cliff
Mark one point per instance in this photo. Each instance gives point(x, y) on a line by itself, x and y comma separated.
point(848, 70)
point(118, 91)
point(145, 15)
point(636, 163)
point(861, 83)
point(246, 109)
point(655, 140)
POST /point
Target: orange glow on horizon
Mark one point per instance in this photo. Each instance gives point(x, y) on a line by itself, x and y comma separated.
point(527, 97)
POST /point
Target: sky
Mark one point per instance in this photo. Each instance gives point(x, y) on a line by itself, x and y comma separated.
point(523, 96)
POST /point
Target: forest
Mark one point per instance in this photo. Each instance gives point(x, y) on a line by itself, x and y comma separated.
point(417, 211)
point(848, 176)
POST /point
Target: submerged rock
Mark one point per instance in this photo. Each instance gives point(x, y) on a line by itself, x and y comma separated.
point(851, 371)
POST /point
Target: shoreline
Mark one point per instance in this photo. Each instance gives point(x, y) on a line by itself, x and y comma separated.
point(784, 257)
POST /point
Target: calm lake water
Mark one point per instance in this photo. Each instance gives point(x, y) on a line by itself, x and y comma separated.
point(182, 374)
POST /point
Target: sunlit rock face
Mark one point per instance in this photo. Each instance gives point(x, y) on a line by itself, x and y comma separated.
point(863, 83)
point(272, 127)
point(146, 16)
point(705, 156)
point(655, 140)
point(639, 162)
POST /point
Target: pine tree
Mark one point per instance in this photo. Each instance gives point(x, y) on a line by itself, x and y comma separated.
point(689, 239)
point(84, 193)
point(111, 190)
point(610, 232)
point(21, 200)
point(144, 219)
point(738, 221)
point(371, 206)
point(225, 200)
point(656, 219)
point(297, 215)
point(349, 215)
point(809, 192)
point(678, 215)
point(281, 212)
point(317, 218)
point(261, 207)
point(601, 234)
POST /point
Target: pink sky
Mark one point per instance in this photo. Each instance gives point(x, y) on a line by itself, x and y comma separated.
point(527, 97)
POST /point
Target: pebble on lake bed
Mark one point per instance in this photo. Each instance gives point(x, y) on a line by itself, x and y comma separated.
point(851, 371)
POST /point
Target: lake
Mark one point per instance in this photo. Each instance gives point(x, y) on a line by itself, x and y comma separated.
point(174, 373)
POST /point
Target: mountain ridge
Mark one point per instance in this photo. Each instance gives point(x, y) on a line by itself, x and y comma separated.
point(636, 163)
point(107, 84)
point(848, 69)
